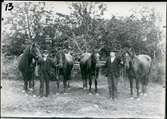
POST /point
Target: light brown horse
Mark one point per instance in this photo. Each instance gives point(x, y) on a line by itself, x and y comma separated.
point(137, 67)
point(65, 65)
point(89, 69)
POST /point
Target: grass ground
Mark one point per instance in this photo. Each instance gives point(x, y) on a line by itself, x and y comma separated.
point(77, 102)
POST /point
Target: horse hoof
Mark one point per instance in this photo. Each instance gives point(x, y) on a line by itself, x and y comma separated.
point(145, 94)
point(140, 91)
point(90, 93)
point(26, 94)
point(132, 98)
point(138, 99)
point(23, 91)
point(97, 94)
point(31, 89)
point(34, 96)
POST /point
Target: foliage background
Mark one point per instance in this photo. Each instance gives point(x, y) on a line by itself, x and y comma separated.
point(84, 29)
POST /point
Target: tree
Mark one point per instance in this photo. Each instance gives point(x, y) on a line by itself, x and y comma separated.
point(26, 21)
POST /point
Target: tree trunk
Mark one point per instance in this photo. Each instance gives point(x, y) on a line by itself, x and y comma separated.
point(28, 23)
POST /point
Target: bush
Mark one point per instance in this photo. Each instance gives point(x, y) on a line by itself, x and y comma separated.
point(157, 73)
point(10, 70)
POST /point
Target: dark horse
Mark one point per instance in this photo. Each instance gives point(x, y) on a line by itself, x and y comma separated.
point(26, 66)
point(89, 69)
point(64, 67)
point(112, 70)
point(137, 67)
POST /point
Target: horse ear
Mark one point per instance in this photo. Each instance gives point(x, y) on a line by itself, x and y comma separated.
point(131, 52)
point(33, 45)
point(130, 49)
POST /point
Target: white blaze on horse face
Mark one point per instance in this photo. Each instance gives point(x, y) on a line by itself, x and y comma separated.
point(122, 62)
point(69, 57)
point(127, 60)
point(98, 56)
point(33, 60)
point(112, 55)
point(45, 57)
point(36, 70)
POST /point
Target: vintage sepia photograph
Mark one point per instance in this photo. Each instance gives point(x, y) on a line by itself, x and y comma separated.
point(83, 59)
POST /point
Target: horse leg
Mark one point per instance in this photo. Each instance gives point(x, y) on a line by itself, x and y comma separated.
point(142, 84)
point(58, 79)
point(25, 82)
point(83, 78)
point(33, 83)
point(86, 77)
point(145, 83)
point(96, 76)
point(29, 83)
point(84, 81)
point(68, 83)
point(57, 84)
point(64, 83)
point(90, 83)
point(69, 78)
point(86, 86)
point(26, 85)
point(131, 86)
point(95, 85)
point(137, 86)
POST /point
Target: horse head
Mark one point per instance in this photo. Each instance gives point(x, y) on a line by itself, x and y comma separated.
point(128, 56)
point(95, 55)
point(104, 52)
point(35, 52)
point(45, 55)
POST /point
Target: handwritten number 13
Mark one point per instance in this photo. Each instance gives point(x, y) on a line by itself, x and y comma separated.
point(9, 7)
